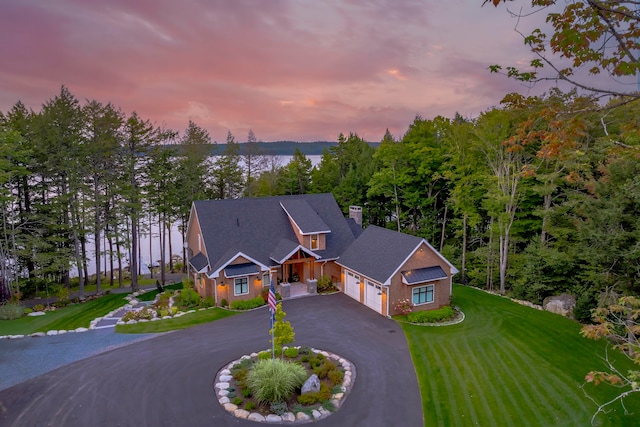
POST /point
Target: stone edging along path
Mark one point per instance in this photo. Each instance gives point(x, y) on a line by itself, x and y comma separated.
point(132, 304)
point(223, 377)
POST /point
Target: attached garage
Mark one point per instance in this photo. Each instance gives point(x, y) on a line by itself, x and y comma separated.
point(373, 296)
point(352, 285)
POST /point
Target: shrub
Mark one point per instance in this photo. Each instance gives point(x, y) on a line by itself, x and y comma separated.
point(63, 297)
point(144, 313)
point(224, 302)
point(249, 406)
point(207, 302)
point(403, 306)
point(174, 310)
point(325, 284)
point(322, 370)
point(237, 400)
point(28, 310)
point(264, 355)
point(188, 298)
point(335, 376)
point(291, 352)
point(279, 408)
point(246, 392)
point(319, 396)
point(38, 307)
point(431, 316)
point(275, 380)
point(307, 399)
point(11, 311)
point(247, 304)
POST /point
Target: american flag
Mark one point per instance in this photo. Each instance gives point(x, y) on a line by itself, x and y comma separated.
point(271, 300)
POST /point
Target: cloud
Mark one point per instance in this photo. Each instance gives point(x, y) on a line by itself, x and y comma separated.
point(287, 69)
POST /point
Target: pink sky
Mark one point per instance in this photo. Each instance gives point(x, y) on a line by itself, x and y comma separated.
point(302, 70)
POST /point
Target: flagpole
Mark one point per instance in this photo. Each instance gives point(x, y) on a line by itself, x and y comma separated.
point(271, 299)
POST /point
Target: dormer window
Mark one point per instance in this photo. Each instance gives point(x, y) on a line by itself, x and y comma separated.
point(315, 242)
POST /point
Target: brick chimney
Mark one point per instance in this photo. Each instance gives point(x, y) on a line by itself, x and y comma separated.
point(355, 212)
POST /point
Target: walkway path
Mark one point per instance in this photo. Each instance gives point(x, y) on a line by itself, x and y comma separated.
point(168, 380)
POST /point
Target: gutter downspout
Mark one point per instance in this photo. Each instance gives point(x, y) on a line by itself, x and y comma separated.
point(215, 291)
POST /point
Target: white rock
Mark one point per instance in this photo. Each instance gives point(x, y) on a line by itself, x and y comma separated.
point(13, 337)
point(36, 313)
point(230, 407)
point(191, 311)
point(134, 302)
point(225, 378)
point(256, 417)
point(223, 393)
point(201, 309)
point(338, 396)
point(245, 357)
point(224, 400)
point(254, 354)
point(222, 385)
point(288, 417)
point(61, 332)
point(179, 314)
point(132, 322)
point(37, 334)
point(272, 418)
point(155, 319)
point(241, 413)
point(52, 333)
point(301, 416)
point(316, 414)
point(120, 322)
point(166, 317)
point(143, 320)
point(335, 402)
point(225, 372)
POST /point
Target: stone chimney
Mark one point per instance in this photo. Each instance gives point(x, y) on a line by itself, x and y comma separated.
point(355, 212)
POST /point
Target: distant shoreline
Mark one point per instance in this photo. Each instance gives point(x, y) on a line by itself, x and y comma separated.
point(283, 148)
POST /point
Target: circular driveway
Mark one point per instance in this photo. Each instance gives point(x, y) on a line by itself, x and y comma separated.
point(168, 380)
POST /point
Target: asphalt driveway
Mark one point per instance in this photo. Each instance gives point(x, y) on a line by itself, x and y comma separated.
point(168, 380)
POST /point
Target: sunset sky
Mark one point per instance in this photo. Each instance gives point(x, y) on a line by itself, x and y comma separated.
point(302, 70)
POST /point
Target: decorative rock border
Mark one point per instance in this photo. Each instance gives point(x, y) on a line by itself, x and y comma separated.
point(223, 377)
point(132, 302)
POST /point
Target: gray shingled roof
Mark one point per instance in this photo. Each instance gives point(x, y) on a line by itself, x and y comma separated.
point(282, 249)
point(421, 275)
point(303, 215)
point(256, 226)
point(237, 270)
point(379, 252)
point(198, 262)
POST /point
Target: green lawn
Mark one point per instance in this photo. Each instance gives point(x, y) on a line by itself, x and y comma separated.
point(70, 317)
point(507, 364)
point(182, 322)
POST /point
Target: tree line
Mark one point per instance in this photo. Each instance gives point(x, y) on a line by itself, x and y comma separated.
point(536, 197)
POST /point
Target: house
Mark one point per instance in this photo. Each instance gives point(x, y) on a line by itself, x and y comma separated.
point(236, 247)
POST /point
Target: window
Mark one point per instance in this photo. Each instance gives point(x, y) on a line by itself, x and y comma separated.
point(315, 242)
point(266, 279)
point(241, 286)
point(422, 295)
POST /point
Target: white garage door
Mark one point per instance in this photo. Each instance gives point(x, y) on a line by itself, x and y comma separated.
point(373, 296)
point(352, 286)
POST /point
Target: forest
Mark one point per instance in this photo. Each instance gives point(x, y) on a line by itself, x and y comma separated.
point(533, 198)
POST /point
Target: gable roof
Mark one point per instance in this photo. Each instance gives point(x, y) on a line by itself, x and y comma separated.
point(257, 227)
point(379, 253)
point(304, 217)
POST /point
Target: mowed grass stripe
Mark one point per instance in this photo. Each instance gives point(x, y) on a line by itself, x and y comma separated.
point(441, 396)
point(527, 365)
point(464, 409)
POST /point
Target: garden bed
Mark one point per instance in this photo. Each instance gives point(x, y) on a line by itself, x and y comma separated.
point(335, 373)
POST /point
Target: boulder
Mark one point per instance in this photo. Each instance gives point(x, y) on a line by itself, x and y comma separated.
point(311, 385)
point(560, 304)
